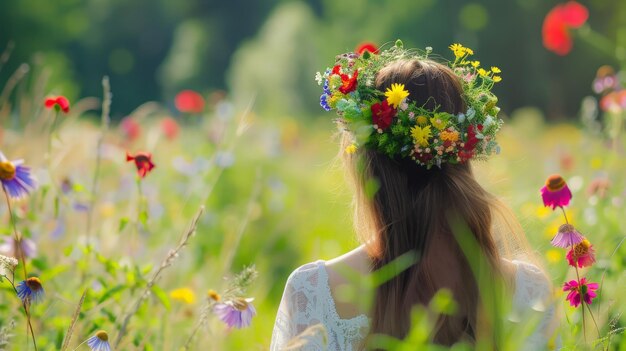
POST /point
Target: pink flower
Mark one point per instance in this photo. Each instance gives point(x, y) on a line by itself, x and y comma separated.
point(556, 193)
point(581, 255)
point(189, 101)
point(130, 128)
point(567, 236)
point(170, 128)
point(580, 291)
point(236, 313)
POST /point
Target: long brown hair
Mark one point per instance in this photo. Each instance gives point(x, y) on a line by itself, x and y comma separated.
point(409, 212)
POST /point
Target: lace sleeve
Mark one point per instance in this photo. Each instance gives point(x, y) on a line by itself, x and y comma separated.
point(299, 313)
point(533, 302)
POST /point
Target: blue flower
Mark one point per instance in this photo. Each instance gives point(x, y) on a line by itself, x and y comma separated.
point(16, 178)
point(99, 342)
point(30, 290)
point(326, 89)
point(324, 102)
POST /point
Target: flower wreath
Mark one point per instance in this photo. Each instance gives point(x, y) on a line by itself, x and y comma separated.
point(392, 124)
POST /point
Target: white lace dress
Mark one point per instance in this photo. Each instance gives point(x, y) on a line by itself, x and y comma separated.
point(307, 302)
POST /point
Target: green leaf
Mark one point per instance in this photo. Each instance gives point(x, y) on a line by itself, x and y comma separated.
point(56, 207)
point(109, 293)
point(143, 218)
point(123, 223)
point(162, 296)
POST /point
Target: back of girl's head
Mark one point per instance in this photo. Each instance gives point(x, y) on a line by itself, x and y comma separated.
point(409, 211)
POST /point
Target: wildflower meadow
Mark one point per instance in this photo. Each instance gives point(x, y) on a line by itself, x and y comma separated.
point(175, 224)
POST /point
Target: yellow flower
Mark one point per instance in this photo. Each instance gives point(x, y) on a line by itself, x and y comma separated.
point(497, 79)
point(350, 149)
point(439, 122)
point(333, 99)
point(396, 94)
point(421, 120)
point(449, 136)
point(469, 51)
point(554, 255)
point(483, 72)
point(495, 69)
point(475, 64)
point(420, 135)
point(213, 295)
point(185, 295)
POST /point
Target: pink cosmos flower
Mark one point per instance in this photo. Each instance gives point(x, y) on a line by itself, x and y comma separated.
point(555, 193)
point(580, 291)
point(581, 255)
point(567, 236)
point(236, 313)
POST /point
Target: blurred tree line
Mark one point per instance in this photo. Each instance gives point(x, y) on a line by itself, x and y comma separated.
point(269, 50)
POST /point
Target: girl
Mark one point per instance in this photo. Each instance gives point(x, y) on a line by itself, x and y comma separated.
point(409, 129)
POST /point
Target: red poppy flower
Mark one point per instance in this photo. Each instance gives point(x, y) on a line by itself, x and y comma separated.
point(170, 128)
point(189, 101)
point(556, 25)
point(367, 46)
point(143, 161)
point(348, 83)
point(382, 115)
point(60, 101)
point(130, 128)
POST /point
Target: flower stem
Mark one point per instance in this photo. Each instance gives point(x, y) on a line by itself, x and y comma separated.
point(18, 239)
point(564, 214)
point(592, 318)
point(582, 297)
point(29, 326)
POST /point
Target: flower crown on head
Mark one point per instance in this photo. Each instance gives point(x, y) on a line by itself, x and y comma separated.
point(396, 126)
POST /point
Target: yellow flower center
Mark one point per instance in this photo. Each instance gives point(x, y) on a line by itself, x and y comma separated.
point(7, 170)
point(34, 283)
point(102, 335)
point(582, 248)
point(555, 182)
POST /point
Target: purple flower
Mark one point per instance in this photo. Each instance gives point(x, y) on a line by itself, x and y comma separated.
point(99, 342)
point(9, 247)
point(236, 313)
point(16, 178)
point(30, 290)
point(567, 236)
point(555, 193)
